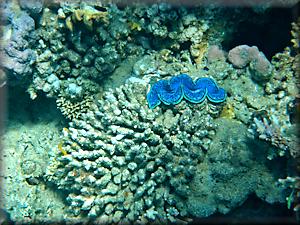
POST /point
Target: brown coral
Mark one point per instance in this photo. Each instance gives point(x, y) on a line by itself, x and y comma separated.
point(87, 15)
point(74, 109)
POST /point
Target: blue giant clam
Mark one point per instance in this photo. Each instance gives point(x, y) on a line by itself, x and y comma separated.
point(171, 92)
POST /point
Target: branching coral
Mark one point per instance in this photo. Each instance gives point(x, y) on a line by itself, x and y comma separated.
point(129, 163)
point(74, 109)
point(281, 136)
point(295, 34)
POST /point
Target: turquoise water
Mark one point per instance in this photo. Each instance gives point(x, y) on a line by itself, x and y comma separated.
point(148, 113)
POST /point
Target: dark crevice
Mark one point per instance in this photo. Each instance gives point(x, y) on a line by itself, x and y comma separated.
point(269, 31)
point(22, 109)
point(252, 211)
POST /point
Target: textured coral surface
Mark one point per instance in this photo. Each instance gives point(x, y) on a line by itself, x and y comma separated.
point(80, 132)
point(127, 162)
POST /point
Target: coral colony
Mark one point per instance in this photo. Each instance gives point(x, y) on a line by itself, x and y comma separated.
point(131, 122)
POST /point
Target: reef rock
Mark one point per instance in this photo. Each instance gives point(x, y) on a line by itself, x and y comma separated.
point(229, 173)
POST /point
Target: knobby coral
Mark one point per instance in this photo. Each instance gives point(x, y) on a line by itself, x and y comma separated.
point(126, 162)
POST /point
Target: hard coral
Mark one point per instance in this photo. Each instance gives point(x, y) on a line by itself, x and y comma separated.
point(295, 34)
point(15, 53)
point(130, 163)
point(32, 6)
point(259, 66)
point(227, 158)
point(86, 14)
point(74, 109)
point(280, 135)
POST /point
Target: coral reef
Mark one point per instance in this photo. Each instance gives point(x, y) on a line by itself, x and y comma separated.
point(182, 86)
point(218, 186)
point(272, 130)
point(124, 152)
point(32, 6)
point(120, 160)
point(74, 109)
point(275, 123)
point(295, 34)
point(16, 55)
point(58, 66)
point(86, 42)
point(259, 66)
point(266, 105)
point(23, 164)
point(87, 14)
point(126, 162)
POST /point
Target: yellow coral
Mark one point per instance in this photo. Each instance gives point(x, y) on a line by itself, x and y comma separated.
point(87, 15)
point(60, 148)
point(295, 33)
point(134, 26)
point(228, 111)
point(69, 24)
point(198, 50)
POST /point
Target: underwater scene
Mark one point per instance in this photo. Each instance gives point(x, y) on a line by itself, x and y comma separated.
point(144, 112)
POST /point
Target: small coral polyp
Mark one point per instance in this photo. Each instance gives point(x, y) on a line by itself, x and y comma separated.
point(182, 86)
